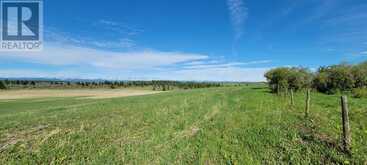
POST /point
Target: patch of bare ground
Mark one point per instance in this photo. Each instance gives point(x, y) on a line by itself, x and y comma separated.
point(85, 93)
point(41, 134)
point(12, 139)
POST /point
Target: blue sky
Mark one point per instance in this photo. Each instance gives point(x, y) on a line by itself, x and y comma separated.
point(215, 40)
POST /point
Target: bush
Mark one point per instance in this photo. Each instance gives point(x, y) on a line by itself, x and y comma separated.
point(360, 75)
point(330, 79)
point(2, 85)
point(334, 78)
point(360, 93)
point(282, 79)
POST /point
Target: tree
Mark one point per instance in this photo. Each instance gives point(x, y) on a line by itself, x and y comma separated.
point(320, 81)
point(2, 85)
point(299, 78)
point(360, 75)
point(282, 79)
point(335, 78)
point(278, 79)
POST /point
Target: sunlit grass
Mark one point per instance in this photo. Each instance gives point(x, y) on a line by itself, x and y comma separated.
point(229, 125)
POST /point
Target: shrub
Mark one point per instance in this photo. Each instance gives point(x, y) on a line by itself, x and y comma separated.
point(360, 92)
point(282, 79)
point(299, 78)
point(360, 75)
point(334, 78)
point(320, 82)
point(2, 85)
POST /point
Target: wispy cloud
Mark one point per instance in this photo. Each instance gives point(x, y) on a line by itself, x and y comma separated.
point(62, 74)
point(206, 66)
point(121, 43)
point(130, 65)
point(238, 15)
point(119, 27)
point(364, 53)
point(73, 56)
point(216, 74)
point(321, 10)
point(64, 55)
point(55, 36)
point(219, 65)
point(207, 74)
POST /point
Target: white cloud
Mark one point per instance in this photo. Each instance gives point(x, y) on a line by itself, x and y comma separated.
point(119, 27)
point(206, 66)
point(216, 74)
point(34, 73)
point(107, 22)
point(71, 57)
point(238, 14)
point(207, 74)
point(365, 52)
point(140, 65)
point(122, 43)
point(61, 55)
point(203, 65)
point(65, 38)
point(257, 62)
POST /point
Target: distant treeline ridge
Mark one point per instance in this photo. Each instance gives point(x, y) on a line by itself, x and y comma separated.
point(155, 85)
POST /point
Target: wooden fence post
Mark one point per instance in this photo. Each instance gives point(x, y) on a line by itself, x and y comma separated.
point(292, 97)
point(346, 128)
point(308, 100)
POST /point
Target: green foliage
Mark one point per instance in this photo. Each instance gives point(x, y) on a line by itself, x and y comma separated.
point(156, 85)
point(360, 75)
point(330, 79)
point(360, 93)
point(284, 78)
point(321, 80)
point(333, 79)
point(2, 85)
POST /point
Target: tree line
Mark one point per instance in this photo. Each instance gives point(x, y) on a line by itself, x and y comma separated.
point(327, 79)
point(155, 84)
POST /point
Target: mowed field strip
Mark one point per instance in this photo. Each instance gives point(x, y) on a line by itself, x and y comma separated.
point(87, 93)
point(227, 125)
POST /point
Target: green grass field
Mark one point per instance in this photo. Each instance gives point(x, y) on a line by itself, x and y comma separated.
point(228, 125)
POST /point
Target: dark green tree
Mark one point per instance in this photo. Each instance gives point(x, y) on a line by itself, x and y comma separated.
point(2, 85)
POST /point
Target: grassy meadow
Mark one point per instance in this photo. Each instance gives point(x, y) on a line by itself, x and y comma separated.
point(226, 125)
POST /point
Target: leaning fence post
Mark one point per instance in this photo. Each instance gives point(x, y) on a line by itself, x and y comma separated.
point(292, 97)
point(308, 100)
point(346, 128)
